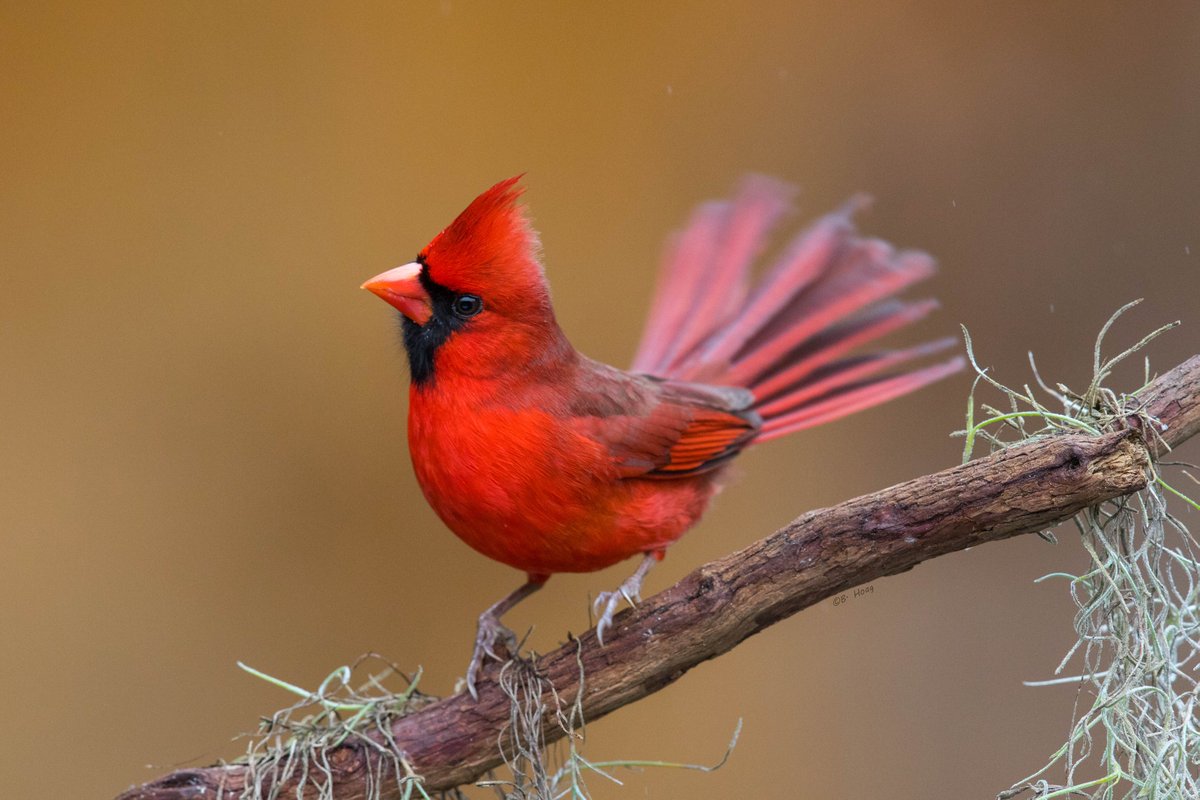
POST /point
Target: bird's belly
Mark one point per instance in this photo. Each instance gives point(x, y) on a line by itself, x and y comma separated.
point(524, 492)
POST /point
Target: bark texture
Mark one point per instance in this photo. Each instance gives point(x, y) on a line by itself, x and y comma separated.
point(1022, 489)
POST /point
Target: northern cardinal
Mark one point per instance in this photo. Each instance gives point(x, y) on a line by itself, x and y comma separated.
point(541, 458)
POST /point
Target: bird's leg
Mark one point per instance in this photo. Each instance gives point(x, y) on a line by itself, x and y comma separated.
point(491, 630)
point(630, 589)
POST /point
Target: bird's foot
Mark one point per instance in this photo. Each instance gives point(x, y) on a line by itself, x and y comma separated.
point(630, 591)
point(491, 632)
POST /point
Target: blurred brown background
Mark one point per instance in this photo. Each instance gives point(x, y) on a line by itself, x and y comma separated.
point(203, 457)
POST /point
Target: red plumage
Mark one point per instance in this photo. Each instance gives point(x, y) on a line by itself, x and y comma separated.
point(548, 461)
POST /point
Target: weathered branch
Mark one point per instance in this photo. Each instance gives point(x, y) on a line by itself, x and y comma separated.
point(1018, 490)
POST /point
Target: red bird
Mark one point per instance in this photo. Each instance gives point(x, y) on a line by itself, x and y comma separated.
point(543, 459)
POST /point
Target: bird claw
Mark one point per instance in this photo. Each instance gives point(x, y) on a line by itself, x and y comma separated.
point(490, 633)
point(630, 591)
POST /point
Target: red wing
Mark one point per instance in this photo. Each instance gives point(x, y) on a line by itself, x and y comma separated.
point(677, 429)
point(707, 442)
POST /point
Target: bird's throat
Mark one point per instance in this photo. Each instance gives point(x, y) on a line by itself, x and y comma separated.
point(422, 342)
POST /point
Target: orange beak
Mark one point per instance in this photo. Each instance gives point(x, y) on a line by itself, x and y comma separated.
point(401, 287)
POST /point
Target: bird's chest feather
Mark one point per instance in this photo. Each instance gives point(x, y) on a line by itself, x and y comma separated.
point(521, 479)
point(501, 472)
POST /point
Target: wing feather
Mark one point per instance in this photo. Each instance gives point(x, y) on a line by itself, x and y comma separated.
point(664, 429)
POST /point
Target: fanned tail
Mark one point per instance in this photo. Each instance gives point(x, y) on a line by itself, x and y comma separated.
point(789, 336)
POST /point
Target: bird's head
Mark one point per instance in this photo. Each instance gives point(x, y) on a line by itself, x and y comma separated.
point(475, 300)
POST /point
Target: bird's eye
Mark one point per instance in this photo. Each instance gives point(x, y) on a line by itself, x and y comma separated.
point(467, 305)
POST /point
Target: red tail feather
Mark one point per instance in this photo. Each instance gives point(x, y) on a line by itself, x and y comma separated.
point(808, 257)
point(706, 275)
point(788, 337)
point(681, 287)
point(858, 398)
point(836, 341)
point(841, 374)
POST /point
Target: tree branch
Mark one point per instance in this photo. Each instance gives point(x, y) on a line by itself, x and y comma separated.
point(1021, 489)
